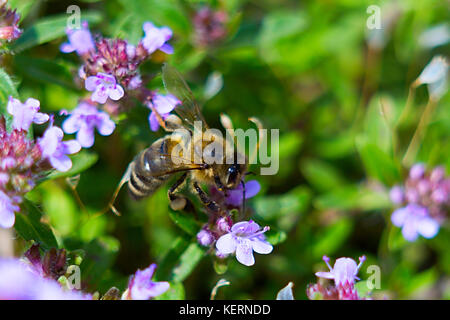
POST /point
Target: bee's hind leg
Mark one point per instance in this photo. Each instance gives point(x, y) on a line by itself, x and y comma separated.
point(210, 204)
point(178, 202)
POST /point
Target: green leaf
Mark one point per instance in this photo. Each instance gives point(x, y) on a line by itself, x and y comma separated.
point(275, 237)
point(29, 226)
point(180, 260)
point(80, 162)
point(188, 260)
point(321, 174)
point(332, 237)
point(353, 198)
point(44, 70)
point(7, 89)
point(378, 164)
point(185, 221)
point(49, 29)
point(22, 6)
point(175, 292)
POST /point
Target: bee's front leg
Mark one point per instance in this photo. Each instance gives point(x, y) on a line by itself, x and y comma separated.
point(178, 202)
point(210, 204)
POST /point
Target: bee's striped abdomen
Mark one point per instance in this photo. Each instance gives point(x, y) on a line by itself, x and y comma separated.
point(147, 170)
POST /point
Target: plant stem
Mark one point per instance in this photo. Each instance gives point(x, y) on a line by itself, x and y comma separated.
point(419, 133)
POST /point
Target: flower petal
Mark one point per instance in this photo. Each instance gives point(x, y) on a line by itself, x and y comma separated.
point(105, 125)
point(409, 231)
point(7, 216)
point(71, 124)
point(100, 95)
point(226, 244)
point(153, 121)
point(252, 188)
point(167, 48)
point(61, 162)
point(91, 83)
point(158, 288)
point(261, 246)
point(399, 216)
point(116, 92)
point(40, 118)
point(85, 136)
point(66, 47)
point(244, 253)
point(71, 146)
point(428, 227)
point(326, 275)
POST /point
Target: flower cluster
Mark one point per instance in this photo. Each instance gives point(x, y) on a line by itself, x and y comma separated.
point(210, 26)
point(9, 23)
point(424, 201)
point(52, 265)
point(20, 282)
point(115, 62)
point(110, 71)
point(241, 238)
point(23, 160)
point(344, 273)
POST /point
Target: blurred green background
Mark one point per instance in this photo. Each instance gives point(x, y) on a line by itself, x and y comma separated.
point(309, 68)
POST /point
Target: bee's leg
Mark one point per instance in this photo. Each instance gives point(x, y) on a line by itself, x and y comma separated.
point(177, 202)
point(170, 124)
point(210, 204)
point(219, 185)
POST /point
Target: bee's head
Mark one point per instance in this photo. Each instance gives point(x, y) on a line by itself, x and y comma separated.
point(233, 176)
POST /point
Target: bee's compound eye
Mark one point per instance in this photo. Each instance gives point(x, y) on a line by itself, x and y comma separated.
point(232, 174)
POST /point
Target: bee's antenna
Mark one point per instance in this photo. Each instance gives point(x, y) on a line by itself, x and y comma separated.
point(243, 197)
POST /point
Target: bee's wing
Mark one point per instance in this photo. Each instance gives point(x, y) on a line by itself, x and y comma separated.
point(188, 110)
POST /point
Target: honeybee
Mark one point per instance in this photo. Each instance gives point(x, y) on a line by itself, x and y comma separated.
point(152, 167)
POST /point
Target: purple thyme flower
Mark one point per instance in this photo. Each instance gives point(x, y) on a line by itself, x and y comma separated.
point(18, 282)
point(24, 114)
point(417, 171)
point(244, 238)
point(163, 106)
point(236, 196)
point(343, 272)
point(397, 195)
point(155, 38)
point(9, 23)
point(141, 286)
point(424, 201)
point(84, 119)
point(56, 150)
point(7, 209)
point(205, 237)
point(414, 220)
point(80, 40)
point(104, 86)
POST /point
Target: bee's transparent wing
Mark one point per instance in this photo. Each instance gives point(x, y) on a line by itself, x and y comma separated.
point(188, 110)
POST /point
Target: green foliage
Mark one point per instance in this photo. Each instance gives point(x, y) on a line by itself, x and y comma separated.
point(48, 29)
point(29, 226)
